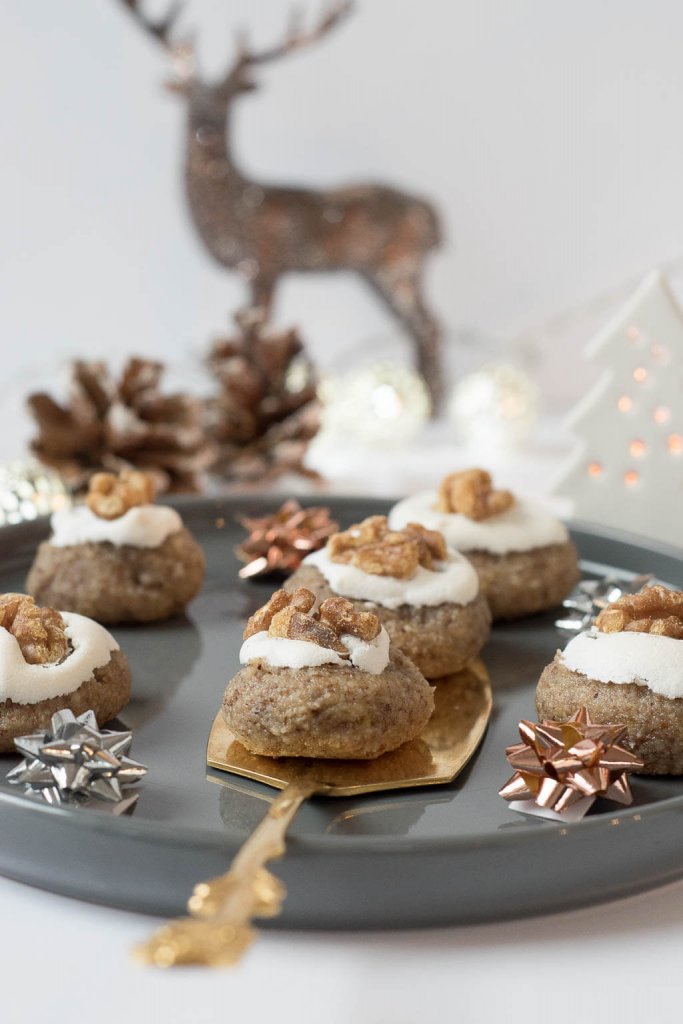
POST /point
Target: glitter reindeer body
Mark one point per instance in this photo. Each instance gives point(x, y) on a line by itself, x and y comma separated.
point(264, 231)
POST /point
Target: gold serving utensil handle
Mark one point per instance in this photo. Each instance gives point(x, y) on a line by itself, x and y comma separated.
point(219, 931)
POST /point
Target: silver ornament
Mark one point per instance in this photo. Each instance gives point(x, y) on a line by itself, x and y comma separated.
point(76, 763)
point(589, 597)
point(28, 490)
point(384, 405)
point(496, 407)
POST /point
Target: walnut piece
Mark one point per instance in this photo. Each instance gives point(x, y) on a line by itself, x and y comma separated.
point(470, 492)
point(291, 616)
point(110, 496)
point(655, 610)
point(342, 617)
point(301, 600)
point(296, 625)
point(40, 632)
point(373, 548)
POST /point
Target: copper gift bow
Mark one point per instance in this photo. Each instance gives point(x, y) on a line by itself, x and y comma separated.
point(559, 763)
point(280, 541)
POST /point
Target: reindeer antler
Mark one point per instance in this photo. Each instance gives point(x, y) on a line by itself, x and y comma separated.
point(296, 38)
point(182, 53)
point(160, 29)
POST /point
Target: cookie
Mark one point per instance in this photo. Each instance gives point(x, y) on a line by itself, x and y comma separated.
point(426, 596)
point(522, 583)
point(323, 683)
point(523, 554)
point(438, 639)
point(327, 711)
point(654, 724)
point(627, 671)
point(50, 661)
point(118, 557)
point(119, 583)
point(106, 692)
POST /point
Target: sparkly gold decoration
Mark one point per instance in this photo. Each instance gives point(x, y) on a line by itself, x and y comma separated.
point(383, 405)
point(110, 423)
point(28, 490)
point(565, 766)
point(279, 542)
point(219, 930)
point(494, 408)
point(266, 411)
point(264, 231)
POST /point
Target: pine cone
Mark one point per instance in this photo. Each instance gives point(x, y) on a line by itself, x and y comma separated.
point(109, 424)
point(267, 411)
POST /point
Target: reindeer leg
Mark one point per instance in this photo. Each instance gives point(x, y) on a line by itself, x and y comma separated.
point(403, 296)
point(262, 292)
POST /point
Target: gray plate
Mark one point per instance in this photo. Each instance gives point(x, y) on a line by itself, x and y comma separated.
point(424, 857)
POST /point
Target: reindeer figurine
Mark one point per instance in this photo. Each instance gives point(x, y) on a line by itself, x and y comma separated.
point(263, 231)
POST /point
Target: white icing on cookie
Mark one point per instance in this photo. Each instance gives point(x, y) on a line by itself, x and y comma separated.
point(143, 526)
point(453, 581)
point(522, 527)
point(652, 661)
point(91, 645)
point(279, 652)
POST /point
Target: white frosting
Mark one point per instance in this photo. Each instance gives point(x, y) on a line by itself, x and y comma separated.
point(279, 652)
point(652, 661)
point(143, 526)
point(91, 646)
point(522, 527)
point(453, 581)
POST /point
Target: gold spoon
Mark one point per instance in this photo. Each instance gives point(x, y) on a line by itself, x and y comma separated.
point(219, 929)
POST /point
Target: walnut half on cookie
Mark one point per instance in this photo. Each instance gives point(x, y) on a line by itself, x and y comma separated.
point(40, 632)
point(470, 493)
point(110, 496)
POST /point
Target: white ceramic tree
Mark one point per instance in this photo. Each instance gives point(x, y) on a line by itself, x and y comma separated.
point(628, 470)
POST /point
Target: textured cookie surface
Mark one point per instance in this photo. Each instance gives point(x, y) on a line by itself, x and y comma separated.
point(654, 723)
point(439, 639)
point(327, 711)
point(522, 583)
point(112, 583)
point(106, 693)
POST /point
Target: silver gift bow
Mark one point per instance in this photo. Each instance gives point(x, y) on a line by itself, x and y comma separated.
point(74, 762)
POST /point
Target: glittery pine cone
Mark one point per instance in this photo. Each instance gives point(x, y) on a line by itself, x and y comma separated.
point(266, 411)
point(113, 424)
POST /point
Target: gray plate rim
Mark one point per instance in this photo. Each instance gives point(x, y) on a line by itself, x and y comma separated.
point(344, 846)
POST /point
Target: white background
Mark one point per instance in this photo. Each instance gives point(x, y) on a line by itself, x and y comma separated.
point(64, 962)
point(547, 133)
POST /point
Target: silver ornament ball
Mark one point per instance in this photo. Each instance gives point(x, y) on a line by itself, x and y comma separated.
point(384, 405)
point(28, 490)
point(496, 407)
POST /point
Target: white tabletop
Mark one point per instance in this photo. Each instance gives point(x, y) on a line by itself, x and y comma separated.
point(74, 959)
point(617, 962)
